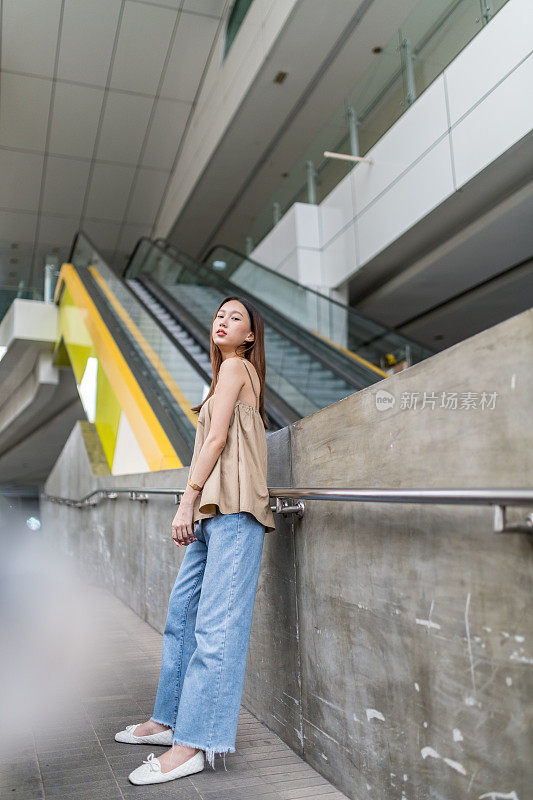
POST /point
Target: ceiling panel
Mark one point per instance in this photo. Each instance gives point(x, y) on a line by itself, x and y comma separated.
point(16, 227)
point(87, 37)
point(165, 133)
point(25, 106)
point(108, 194)
point(124, 127)
point(191, 47)
point(143, 42)
point(167, 3)
point(21, 180)
point(29, 35)
point(64, 187)
point(14, 266)
point(213, 7)
point(75, 119)
point(147, 195)
point(103, 234)
point(57, 231)
point(130, 236)
point(128, 41)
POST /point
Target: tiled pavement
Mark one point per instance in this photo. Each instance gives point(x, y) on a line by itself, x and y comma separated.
point(79, 759)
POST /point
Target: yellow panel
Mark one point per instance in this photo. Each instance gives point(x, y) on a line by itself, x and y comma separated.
point(85, 333)
point(107, 415)
point(74, 334)
point(74, 348)
point(150, 353)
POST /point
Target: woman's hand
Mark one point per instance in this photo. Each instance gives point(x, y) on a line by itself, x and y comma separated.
point(182, 524)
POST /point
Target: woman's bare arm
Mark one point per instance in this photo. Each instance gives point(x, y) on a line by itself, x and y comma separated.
point(231, 379)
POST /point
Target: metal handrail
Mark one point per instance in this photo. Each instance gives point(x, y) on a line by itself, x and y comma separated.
point(500, 499)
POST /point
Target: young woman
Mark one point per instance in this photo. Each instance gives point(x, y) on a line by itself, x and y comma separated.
point(207, 631)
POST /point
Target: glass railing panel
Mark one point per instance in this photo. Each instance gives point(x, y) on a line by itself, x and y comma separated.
point(425, 44)
point(318, 313)
point(300, 367)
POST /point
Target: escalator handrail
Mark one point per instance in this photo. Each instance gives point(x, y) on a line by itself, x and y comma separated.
point(344, 306)
point(81, 234)
point(317, 349)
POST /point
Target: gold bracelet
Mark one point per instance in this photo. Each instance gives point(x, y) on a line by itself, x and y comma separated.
point(195, 486)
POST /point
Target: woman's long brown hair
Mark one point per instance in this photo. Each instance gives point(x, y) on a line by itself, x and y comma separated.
point(252, 351)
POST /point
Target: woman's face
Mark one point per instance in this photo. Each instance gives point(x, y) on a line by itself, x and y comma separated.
point(231, 327)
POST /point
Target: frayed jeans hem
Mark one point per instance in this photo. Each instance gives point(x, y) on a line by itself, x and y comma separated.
point(162, 722)
point(209, 751)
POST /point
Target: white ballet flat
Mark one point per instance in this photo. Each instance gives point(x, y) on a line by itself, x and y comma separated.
point(128, 737)
point(150, 769)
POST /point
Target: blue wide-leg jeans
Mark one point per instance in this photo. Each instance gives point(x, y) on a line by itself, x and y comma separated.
point(207, 634)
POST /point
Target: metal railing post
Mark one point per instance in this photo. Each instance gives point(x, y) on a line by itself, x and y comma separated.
point(311, 182)
point(408, 69)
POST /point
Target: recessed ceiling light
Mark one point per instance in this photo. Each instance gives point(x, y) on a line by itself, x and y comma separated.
point(377, 49)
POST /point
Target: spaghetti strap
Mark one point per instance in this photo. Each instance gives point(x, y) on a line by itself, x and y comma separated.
point(250, 374)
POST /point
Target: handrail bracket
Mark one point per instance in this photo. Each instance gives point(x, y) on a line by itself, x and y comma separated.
point(287, 506)
point(502, 526)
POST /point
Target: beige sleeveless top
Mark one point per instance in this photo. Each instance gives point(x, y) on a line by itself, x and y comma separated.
point(238, 480)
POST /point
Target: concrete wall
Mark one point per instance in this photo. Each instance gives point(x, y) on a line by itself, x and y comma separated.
point(391, 644)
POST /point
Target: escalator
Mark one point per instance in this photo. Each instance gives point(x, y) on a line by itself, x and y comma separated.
point(323, 316)
point(318, 351)
point(149, 331)
point(304, 372)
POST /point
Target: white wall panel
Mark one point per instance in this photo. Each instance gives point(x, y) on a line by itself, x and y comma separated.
point(290, 266)
point(428, 183)
point(494, 124)
point(337, 210)
point(497, 48)
point(414, 133)
point(309, 266)
point(282, 239)
point(339, 257)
